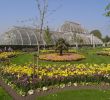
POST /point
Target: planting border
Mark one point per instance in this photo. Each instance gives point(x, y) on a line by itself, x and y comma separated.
point(16, 96)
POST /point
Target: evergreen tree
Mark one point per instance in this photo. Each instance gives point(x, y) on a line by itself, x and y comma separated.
point(47, 36)
point(61, 45)
point(106, 39)
point(96, 33)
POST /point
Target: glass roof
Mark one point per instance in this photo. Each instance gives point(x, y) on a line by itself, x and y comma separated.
point(70, 31)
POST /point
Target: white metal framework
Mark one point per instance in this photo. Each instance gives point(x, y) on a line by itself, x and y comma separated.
point(71, 31)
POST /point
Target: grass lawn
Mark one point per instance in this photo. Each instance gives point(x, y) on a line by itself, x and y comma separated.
point(90, 54)
point(4, 95)
point(91, 58)
point(78, 95)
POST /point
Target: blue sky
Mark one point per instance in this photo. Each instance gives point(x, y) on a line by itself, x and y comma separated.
point(89, 13)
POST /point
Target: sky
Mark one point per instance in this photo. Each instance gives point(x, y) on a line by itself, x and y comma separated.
point(89, 13)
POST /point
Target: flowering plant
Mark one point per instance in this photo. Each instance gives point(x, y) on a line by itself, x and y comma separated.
point(5, 55)
point(105, 51)
point(64, 57)
point(21, 77)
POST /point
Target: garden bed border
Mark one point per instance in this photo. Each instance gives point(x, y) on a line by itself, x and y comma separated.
point(16, 96)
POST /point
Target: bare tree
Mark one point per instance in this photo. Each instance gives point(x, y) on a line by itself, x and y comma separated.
point(42, 8)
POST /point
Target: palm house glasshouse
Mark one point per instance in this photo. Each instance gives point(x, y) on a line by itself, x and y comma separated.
point(72, 32)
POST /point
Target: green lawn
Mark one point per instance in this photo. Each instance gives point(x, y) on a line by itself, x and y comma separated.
point(78, 95)
point(4, 95)
point(91, 57)
point(90, 54)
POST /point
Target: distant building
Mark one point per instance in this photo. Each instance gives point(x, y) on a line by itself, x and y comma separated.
point(71, 31)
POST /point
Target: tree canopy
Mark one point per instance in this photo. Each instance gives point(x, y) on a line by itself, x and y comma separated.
point(96, 33)
point(107, 9)
point(106, 39)
point(61, 45)
point(47, 36)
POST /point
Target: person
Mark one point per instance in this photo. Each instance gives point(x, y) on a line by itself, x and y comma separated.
point(0, 50)
point(10, 49)
point(5, 49)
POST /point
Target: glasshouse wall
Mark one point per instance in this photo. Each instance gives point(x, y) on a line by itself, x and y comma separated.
point(26, 37)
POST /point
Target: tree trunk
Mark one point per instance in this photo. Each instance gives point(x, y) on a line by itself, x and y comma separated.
point(61, 52)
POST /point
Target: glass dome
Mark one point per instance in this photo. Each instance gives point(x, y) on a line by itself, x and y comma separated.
point(72, 32)
point(69, 26)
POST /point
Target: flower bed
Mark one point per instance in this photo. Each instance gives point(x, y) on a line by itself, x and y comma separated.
point(47, 51)
point(64, 57)
point(5, 55)
point(53, 51)
point(106, 49)
point(21, 77)
point(104, 52)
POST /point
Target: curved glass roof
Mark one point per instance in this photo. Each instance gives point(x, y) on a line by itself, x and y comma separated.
point(71, 27)
point(22, 36)
point(70, 31)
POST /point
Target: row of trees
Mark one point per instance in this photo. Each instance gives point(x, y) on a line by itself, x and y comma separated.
point(98, 34)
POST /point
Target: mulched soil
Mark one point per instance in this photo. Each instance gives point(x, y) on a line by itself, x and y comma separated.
point(16, 96)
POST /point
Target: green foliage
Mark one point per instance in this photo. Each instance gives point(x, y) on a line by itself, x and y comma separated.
point(61, 45)
point(96, 33)
point(107, 9)
point(47, 36)
point(106, 39)
point(47, 51)
point(80, 41)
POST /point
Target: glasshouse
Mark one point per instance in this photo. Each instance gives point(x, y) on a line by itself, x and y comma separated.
point(72, 32)
point(35, 63)
point(55, 50)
